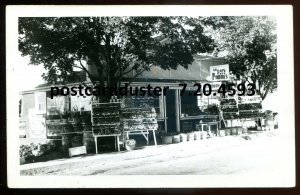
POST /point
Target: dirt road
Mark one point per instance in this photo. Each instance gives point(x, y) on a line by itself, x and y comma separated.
point(215, 156)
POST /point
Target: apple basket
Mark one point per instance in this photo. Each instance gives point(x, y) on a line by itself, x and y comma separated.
point(130, 144)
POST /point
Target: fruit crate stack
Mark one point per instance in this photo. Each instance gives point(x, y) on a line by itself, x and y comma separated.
point(106, 118)
point(139, 113)
point(250, 110)
point(139, 119)
point(229, 108)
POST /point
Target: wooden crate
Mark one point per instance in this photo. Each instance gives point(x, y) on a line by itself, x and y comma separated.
point(77, 151)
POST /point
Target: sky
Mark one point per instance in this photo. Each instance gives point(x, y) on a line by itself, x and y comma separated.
point(271, 102)
point(28, 76)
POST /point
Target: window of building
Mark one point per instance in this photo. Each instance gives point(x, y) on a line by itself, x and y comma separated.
point(40, 102)
point(189, 106)
point(57, 106)
point(81, 103)
point(204, 101)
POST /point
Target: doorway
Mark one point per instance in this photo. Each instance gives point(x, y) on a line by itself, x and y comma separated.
point(170, 111)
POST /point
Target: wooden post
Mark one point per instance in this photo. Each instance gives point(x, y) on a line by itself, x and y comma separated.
point(165, 113)
point(154, 137)
point(177, 103)
point(96, 145)
point(118, 143)
point(115, 142)
point(147, 137)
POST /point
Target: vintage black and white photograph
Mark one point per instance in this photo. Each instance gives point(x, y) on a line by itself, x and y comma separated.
point(198, 98)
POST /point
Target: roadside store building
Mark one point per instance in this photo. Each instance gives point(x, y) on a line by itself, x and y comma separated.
point(175, 112)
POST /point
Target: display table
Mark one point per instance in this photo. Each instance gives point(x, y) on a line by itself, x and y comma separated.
point(117, 141)
point(254, 119)
point(209, 124)
point(194, 120)
point(199, 117)
point(105, 121)
point(67, 137)
point(77, 132)
point(145, 133)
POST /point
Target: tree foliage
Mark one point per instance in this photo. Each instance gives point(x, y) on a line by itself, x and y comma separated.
point(119, 45)
point(250, 47)
point(114, 45)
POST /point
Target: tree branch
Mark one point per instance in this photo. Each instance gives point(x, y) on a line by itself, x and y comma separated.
point(136, 75)
point(267, 90)
point(78, 77)
point(89, 74)
point(128, 71)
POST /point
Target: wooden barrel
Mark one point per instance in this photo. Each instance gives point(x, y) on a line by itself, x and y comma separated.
point(227, 131)
point(66, 142)
point(89, 141)
point(167, 139)
point(175, 139)
point(183, 137)
point(190, 137)
point(233, 131)
point(244, 129)
point(270, 124)
point(239, 130)
point(197, 135)
point(203, 134)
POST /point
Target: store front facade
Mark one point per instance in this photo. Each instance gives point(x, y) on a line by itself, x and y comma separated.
point(175, 112)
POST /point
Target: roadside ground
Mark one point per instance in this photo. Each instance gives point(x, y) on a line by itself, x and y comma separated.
point(262, 153)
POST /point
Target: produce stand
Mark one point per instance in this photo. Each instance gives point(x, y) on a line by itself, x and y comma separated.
point(139, 118)
point(205, 120)
point(55, 128)
point(137, 126)
point(228, 110)
point(145, 133)
point(250, 112)
point(241, 110)
point(106, 122)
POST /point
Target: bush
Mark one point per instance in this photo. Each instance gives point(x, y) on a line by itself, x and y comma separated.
point(212, 109)
point(76, 117)
point(86, 117)
point(26, 151)
point(268, 115)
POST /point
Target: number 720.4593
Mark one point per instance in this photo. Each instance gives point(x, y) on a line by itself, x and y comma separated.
point(230, 89)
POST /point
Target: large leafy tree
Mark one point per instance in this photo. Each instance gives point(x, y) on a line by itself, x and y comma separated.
point(114, 45)
point(250, 47)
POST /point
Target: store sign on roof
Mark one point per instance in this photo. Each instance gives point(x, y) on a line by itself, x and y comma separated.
point(219, 72)
point(249, 99)
point(215, 86)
